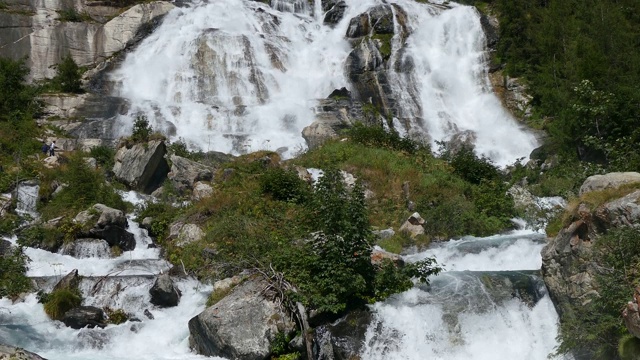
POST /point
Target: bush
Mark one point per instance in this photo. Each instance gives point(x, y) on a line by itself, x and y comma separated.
point(472, 168)
point(104, 156)
point(116, 316)
point(141, 129)
point(284, 185)
point(68, 76)
point(377, 136)
point(60, 301)
point(13, 279)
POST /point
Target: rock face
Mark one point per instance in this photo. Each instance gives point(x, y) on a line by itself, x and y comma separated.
point(14, 353)
point(84, 316)
point(608, 181)
point(35, 30)
point(343, 339)
point(185, 173)
point(333, 114)
point(241, 325)
point(164, 293)
point(567, 266)
point(142, 166)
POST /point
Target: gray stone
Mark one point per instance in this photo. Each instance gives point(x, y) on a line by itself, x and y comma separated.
point(69, 281)
point(343, 339)
point(116, 236)
point(189, 233)
point(201, 191)
point(609, 181)
point(15, 353)
point(413, 225)
point(384, 234)
point(164, 293)
point(241, 325)
point(185, 173)
point(143, 166)
point(84, 316)
point(335, 14)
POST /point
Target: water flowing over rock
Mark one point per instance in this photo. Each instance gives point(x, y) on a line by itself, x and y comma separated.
point(143, 166)
point(110, 226)
point(241, 325)
point(87, 248)
point(343, 339)
point(13, 353)
point(164, 293)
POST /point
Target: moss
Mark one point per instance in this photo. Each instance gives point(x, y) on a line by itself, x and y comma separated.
point(218, 295)
point(116, 316)
point(384, 44)
point(60, 301)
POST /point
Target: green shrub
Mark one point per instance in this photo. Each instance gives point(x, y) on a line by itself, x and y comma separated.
point(58, 302)
point(141, 129)
point(218, 295)
point(71, 15)
point(284, 185)
point(377, 136)
point(68, 76)
point(472, 168)
point(116, 316)
point(104, 155)
point(13, 279)
point(280, 344)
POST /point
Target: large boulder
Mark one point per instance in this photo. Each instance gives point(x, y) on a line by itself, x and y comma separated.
point(14, 353)
point(84, 316)
point(241, 325)
point(568, 266)
point(142, 166)
point(185, 173)
point(164, 293)
point(184, 234)
point(609, 181)
point(106, 223)
point(201, 191)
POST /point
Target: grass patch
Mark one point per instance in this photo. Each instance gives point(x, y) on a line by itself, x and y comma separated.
point(60, 301)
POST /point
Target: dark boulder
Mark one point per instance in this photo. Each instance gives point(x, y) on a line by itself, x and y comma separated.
point(164, 293)
point(335, 13)
point(343, 339)
point(84, 316)
point(142, 166)
point(116, 236)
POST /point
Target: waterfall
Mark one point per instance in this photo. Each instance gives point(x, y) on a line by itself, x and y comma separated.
point(490, 303)
point(239, 76)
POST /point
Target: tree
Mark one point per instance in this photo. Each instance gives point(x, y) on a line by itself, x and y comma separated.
point(68, 76)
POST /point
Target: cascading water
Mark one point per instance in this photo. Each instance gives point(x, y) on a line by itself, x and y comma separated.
point(119, 283)
point(238, 76)
point(490, 304)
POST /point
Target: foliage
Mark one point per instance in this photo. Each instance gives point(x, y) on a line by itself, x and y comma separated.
point(13, 279)
point(376, 136)
point(141, 129)
point(68, 76)
point(17, 99)
point(470, 167)
point(597, 328)
point(104, 155)
point(116, 316)
point(72, 15)
point(85, 187)
point(284, 185)
point(280, 344)
point(162, 215)
point(58, 302)
point(179, 148)
point(40, 237)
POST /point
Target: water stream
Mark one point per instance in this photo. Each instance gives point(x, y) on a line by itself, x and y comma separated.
point(239, 75)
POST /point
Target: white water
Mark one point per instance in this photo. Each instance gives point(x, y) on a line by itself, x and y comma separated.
point(165, 337)
point(238, 76)
point(458, 317)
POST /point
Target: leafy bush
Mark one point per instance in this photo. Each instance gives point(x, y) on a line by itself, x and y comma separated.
point(116, 316)
point(104, 156)
point(284, 185)
point(68, 76)
point(58, 302)
point(472, 168)
point(141, 129)
point(13, 279)
point(72, 15)
point(376, 136)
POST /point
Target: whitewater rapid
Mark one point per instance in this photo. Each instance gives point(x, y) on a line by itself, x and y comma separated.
point(238, 76)
point(471, 311)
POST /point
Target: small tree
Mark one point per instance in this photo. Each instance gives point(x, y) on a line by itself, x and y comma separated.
point(68, 76)
point(141, 129)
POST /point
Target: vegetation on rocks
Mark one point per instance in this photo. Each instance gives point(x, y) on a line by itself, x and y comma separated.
point(12, 277)
point(59, 301)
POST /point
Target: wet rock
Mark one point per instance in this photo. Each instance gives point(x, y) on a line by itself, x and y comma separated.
point(344, 339)
point(69, 281)
point(87, 248)
point(15, 353)
point(241, 325)
point(106, 223)
point(142, 166)
point(335, 13)
point(164, 293)
point(84, 316)
point(609, 181)
point(116, 236)
point(148, 314)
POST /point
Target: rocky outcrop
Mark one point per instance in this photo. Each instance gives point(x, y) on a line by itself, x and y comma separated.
point(14, 353)
point(103, 222)
point(84, 316)
point(185, 173)
point(343, 339)
point(38, 31)
point(164, 293)
point(414, 225)
point(241, 325)
point(142, 166)
point(609, 181)
point(334, 11)
point(201, 191)
point(333, 114)
point(184, 234)
point(568, 266)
